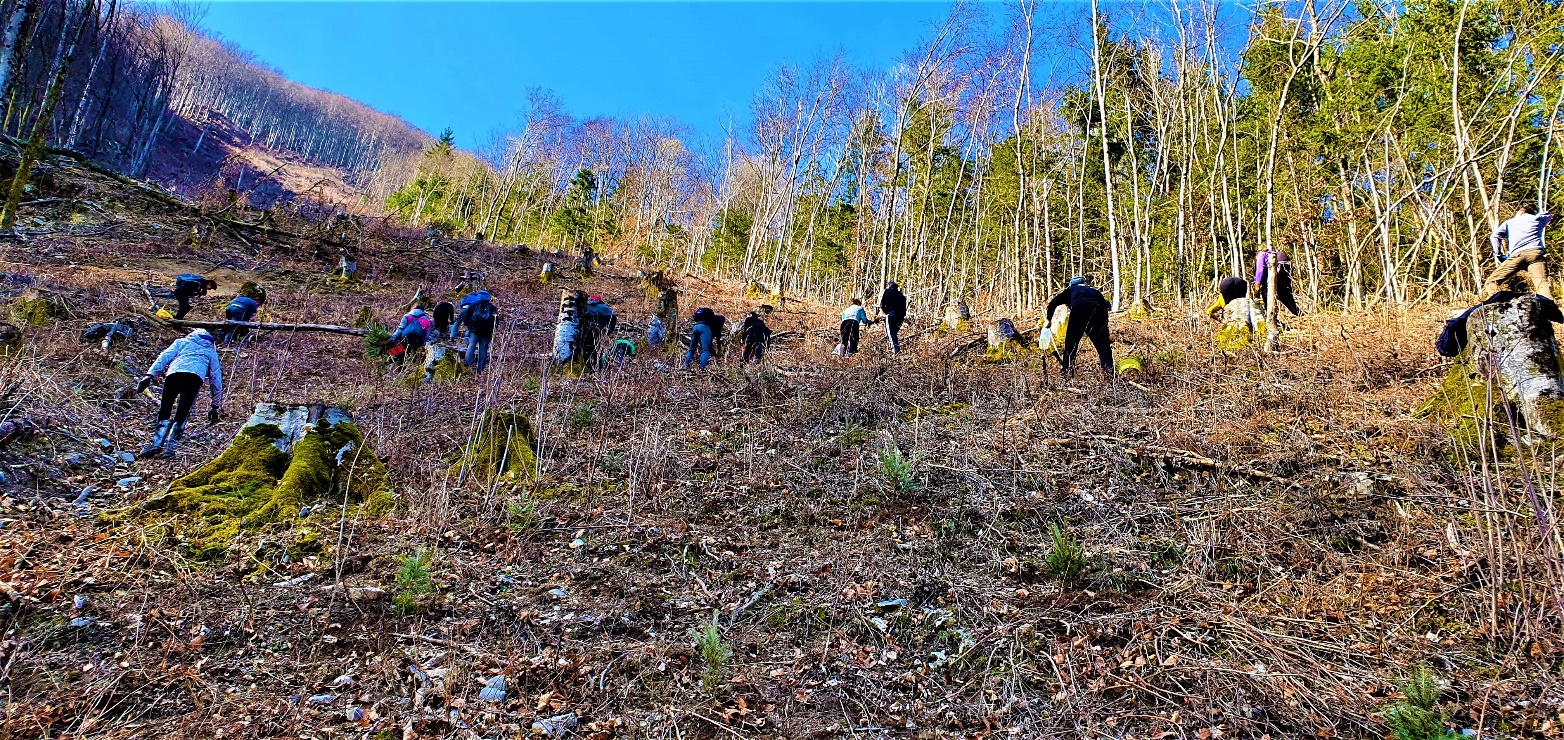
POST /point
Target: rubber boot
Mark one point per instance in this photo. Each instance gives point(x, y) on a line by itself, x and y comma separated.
point(158, 437)
point(172, 440)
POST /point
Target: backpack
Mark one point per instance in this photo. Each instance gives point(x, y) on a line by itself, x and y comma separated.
point(482, 317)
point(189, 281)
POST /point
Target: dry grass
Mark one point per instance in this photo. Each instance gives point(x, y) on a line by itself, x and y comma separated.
point(1271, 544)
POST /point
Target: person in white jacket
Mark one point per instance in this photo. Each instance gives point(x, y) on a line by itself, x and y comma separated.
point(186, 365)
point(852, 317)
point(1518, 247)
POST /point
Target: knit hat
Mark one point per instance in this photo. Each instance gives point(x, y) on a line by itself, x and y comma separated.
point(1077, 280)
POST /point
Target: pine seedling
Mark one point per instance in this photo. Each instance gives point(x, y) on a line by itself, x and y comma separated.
point(708, 640)
point(1067, 561)
point(413, 581)
point(895, 469)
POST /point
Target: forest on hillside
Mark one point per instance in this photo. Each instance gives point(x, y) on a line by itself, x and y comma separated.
point(110, 79)
point(1155, 147)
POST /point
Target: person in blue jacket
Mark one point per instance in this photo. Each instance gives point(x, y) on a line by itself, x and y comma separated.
point(478, 314)
point(241, 308)
point(186, 365)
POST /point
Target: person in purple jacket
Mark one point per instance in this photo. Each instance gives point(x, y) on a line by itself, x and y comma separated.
point(187, 364)
point(1518, 246)
point(1268, 258)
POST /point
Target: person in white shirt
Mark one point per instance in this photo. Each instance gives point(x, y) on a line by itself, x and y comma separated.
point(852, 317)
point(1518, 246)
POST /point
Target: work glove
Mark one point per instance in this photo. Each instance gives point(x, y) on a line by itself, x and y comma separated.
point(212, 413)
point(143, 384)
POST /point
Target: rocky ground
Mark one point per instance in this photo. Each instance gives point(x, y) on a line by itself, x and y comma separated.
point(927, 545)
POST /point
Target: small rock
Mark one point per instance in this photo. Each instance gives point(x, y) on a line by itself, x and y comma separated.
point(366, 593)
point(493, 689)
point(128, 482)
point(558, 593)
point(555, 726)
point(80, 601)
point(323, 698)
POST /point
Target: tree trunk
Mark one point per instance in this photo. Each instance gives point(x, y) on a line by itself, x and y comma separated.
point(1517, 342)
point(11, 56)
point(69, 34)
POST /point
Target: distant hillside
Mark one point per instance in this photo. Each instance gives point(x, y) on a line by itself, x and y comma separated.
point(145, 92)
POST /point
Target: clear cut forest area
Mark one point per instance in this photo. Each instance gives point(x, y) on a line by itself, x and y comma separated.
point(1335, 532)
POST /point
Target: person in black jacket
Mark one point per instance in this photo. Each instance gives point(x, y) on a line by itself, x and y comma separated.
point(893, 303)
point(756, 336)
point(1089, 317)
point(189, 286)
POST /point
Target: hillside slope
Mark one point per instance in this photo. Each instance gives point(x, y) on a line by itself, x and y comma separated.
point(1268, 545)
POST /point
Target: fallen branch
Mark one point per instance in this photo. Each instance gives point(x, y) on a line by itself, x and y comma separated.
point(329, 328)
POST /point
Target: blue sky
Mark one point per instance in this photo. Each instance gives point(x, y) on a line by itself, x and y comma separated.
point(468, 65)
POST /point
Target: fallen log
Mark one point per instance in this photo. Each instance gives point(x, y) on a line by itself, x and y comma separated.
point(268, 326)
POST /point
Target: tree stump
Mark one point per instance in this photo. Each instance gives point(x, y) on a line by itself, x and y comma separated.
point(957, 316)
point(1240, 322)
point(285, 456)
point(503, 445)
point(442, 363)
point(567, 329)
point(546, 273)
point(1516, 340)
point(1050, 337)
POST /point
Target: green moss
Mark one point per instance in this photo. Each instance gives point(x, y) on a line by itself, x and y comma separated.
point(753, 289)
point(253, 484)
point(364, 318)
point(1458, 404)
point(36, 310)
point(254, 291)
point(1234, 337)
point(504, 445)
point(1007, 351)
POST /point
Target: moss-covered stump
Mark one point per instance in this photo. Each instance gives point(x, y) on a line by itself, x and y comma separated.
point(254, 291)
point(503, 445)
point(1516, 339)
point(958, 318)
point(1241, 322)
point(753, 289)
point(546, 273)
point(1460, 401)
point(668, 307)
point(364, 318)
point(37, 309)
point(442, 363)
point(286, 456)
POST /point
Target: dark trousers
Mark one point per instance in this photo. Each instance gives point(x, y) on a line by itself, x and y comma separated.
point(184, 306)
point(229, 333)
point(1092, 321)
point(754, 351)
point(893, 330)
point(1283, 290)
point(850, 337)
point(477, 352)
point(179, 394)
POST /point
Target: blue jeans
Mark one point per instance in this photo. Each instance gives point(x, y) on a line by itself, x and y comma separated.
point(700, 337)
point(477, 352)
